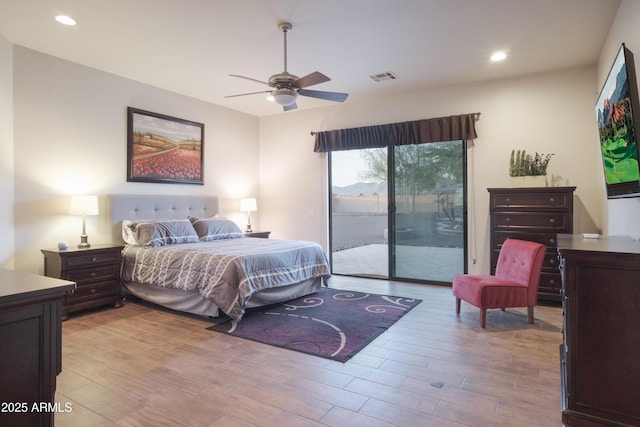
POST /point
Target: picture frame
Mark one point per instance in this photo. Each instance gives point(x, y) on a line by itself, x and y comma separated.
point(164, 149)
point(617, 111)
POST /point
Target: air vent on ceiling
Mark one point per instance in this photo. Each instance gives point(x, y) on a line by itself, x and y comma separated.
point(383, 76)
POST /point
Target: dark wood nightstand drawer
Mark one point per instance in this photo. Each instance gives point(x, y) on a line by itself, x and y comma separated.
point(83, 260)
point(93, 290)
point(92, 275)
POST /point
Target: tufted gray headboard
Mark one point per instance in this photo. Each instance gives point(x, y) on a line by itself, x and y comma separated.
point(129, 206)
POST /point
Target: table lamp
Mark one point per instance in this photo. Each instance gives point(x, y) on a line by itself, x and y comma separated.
point(84, 205)
point(248, 205)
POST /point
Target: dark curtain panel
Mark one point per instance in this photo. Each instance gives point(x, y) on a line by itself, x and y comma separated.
point(452, 128)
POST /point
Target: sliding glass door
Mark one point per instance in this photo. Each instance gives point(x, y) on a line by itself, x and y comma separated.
point(359, 221)
point(399, 213)
point(428, 220)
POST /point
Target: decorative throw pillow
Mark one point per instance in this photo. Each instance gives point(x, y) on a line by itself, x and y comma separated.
point(216, 229)
point(159, 233)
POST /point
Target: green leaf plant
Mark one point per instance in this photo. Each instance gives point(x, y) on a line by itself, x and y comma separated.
point(523, 164)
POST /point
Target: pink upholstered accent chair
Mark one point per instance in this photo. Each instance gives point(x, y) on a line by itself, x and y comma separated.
point(515, 283)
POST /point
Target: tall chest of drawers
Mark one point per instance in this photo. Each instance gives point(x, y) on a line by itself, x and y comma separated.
point(536, 214)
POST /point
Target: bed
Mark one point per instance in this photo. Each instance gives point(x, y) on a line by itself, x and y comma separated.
point(180, 255)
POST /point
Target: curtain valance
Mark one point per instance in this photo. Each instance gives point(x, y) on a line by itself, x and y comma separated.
point(440, 129)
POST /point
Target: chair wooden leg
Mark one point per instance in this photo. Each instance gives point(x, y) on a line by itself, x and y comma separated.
point(457, 305)
point(483, 317)
point(530, 314)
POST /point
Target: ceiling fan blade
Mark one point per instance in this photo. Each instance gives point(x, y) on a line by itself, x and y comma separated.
point(311, 79)
point(290, 107)
point(250, 93)
point(249, 78)
point(329, 96)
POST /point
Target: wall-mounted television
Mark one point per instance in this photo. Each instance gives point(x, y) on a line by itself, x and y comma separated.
point(618, 110)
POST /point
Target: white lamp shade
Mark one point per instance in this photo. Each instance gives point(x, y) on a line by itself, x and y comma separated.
point(84, 205)
point(248, 205)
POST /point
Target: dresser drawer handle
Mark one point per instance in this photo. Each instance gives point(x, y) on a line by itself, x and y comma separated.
point(94, 259)
point(552, 221)
point(93, 274)
point(552, 261)
point(551, 199)
point(508, 219)
point(552, 282)
point(552, 241)
point(93, 291)
point(508, 200)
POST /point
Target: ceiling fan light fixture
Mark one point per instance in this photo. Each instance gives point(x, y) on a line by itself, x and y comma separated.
point(284, 97)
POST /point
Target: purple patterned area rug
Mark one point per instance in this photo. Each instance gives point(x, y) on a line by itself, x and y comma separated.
point(332, 323)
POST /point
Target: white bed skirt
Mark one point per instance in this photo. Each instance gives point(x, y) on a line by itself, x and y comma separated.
point(194, 303)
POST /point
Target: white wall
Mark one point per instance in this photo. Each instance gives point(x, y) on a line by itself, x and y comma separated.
point(70, 138)
point(621, 216)
point(6, 153)
point(546, 113)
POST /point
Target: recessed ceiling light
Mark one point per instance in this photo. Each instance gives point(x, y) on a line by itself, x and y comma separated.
point(66, 20)
point(498, 56)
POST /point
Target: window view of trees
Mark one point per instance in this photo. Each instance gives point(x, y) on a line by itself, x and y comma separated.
point(419, 169)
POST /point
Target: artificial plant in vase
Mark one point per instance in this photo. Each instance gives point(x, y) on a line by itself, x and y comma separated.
point(523, 164)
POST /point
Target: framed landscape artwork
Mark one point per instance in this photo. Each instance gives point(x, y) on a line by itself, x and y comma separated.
point(164, 149)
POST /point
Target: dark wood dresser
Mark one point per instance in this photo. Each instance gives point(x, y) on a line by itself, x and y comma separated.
point(96, 270)
point(30, 349)
point(536, 214)
point(600, 354)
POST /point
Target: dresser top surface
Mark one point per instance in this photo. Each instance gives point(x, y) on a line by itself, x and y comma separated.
point(529, 189)
point(76, 250)
point(18, 285)
point(615, 244)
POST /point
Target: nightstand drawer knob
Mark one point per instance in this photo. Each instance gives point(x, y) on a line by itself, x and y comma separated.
point(552, 221)
point(93, 274)
point(93, 291)
point(94, 259)
point(552, 200)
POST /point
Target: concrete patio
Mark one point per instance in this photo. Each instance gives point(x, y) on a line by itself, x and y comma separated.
point(417, 262)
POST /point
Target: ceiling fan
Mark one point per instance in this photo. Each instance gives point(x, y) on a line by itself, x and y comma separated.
point(287, 87)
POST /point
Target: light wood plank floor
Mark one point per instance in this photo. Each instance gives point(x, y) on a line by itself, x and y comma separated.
point(144, 366)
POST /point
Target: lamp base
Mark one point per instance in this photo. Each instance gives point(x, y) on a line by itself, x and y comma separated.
point(248, 230)
point(83, 242)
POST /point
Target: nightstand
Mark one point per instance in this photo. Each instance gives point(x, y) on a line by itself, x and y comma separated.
point(261, 234)
point(96, 271)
